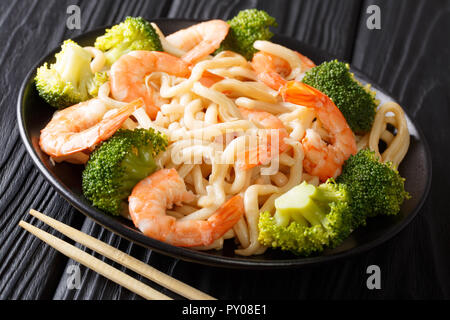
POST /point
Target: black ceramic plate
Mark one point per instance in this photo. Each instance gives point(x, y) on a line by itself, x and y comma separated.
point(33, 114)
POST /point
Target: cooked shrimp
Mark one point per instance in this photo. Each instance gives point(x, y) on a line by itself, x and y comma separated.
point(128, 75)
point(209, 78)
point(153, 195)
point(321, 159)
point(262, 153)
point(270, 69)
point(273, 70)
point(200, 39)
point(81, 127)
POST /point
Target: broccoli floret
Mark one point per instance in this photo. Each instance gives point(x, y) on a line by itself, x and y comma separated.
point(118, 165)
point(308, 219)
point(376, 188)
point(135, 33)
point(68, 80)
point(96, 82)
point(245, 28)
point(357, 103)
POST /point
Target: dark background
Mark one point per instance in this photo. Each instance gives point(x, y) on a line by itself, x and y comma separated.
point(409, 58)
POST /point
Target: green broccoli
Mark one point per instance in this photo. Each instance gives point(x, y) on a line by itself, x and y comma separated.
point(376, 187)
point(357, 103)
point(96, 82)
point(308, 219)
point(118, 165)
point(135, 33)
point(245, 28)
point(69, 80)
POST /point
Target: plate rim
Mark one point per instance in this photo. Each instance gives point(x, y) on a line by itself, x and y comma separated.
point(187, 254)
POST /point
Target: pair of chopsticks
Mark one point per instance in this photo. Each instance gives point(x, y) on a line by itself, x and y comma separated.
point(114, 254)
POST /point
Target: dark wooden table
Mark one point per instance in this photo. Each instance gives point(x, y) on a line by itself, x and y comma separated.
point(409, 57)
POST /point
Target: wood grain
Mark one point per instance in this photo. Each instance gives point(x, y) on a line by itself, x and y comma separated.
point(409, 57)
point(28, 268)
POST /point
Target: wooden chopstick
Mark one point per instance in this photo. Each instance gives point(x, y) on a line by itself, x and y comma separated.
point(124, 259)
point(95, 264)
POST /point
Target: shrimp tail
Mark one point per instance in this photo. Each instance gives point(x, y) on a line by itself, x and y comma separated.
point(71, 130)
point(201, 233)
point(265, 67)
point(226, 217)
point(200, 39)
point(300, 93)
point(110, 125)
point(328, 113)
point(322, 159)
point(209, 78)
point(256, 156)
point(199, 51)
point(271, 79)
point(269, 145)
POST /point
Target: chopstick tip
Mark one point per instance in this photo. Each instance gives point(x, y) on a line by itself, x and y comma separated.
point(23, 224)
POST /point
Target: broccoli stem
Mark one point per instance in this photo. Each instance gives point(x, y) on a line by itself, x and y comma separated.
point(138, 165)
point(283, 218)
point(313, 213)
point(74, 66)
point(305, 204)
point(300, 220)
point(324, 194)
point(115, 53)
point(306, 211)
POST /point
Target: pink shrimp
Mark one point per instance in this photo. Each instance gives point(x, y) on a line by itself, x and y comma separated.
point(81, 127)
point(200, 39)
point(152, 196)
point(129, 71)
point(209, 78)
point(273, 70)
point(261, 154)
point(321, 159)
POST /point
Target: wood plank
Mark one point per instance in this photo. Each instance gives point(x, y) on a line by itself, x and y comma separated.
point(409, 57)
point(28, 268)
point(94, 286)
